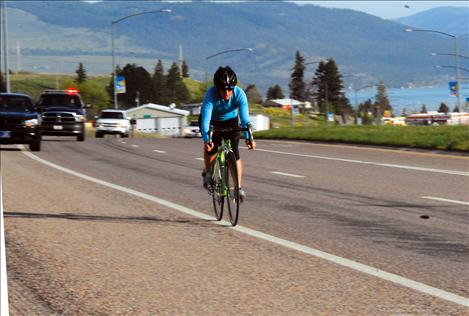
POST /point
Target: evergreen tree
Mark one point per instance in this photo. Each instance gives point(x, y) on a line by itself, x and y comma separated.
point(178, 91)
point(443, 108)
point(185, 69)
point(365, 111)
point(160, 92)
point(3, 84)
point(253, 94)
point(275, 92)
point(330, 89)
point(81, 74)
point(423, 109)
point(297, 85)
point(139, 88)
point(456, 109)
point(381, 101)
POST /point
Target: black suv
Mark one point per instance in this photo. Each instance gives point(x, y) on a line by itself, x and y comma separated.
point(63, 113)
point(19, 121)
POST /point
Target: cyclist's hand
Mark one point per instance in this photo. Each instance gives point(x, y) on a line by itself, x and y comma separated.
point(208, 146)
point(251, 145)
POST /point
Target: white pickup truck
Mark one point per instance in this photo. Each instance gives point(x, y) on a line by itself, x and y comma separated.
point(113, 122)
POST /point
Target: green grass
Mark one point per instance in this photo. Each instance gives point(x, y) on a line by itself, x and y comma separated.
point(33, 84)
point(282, 118)
point(430, 137)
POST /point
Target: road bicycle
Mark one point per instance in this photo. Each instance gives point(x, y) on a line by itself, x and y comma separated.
point(224, 185)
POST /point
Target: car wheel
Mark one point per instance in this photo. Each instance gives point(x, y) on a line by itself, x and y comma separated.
point(98, 135)
point(81, 137)
point(35, 146)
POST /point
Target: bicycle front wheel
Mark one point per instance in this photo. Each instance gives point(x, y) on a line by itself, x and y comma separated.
point(218, 195)
point(232, 194)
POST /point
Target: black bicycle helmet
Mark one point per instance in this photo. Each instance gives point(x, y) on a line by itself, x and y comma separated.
point(225, 78)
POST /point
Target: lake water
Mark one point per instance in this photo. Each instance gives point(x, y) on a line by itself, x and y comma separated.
point(412, 99)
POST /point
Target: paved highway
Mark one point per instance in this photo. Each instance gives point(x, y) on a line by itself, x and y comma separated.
point(326, 229)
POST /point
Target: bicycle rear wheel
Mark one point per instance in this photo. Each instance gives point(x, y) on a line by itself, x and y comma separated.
point(217, 190)
point(232, 197)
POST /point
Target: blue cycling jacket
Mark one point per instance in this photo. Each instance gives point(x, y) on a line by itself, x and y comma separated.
point(216, 109)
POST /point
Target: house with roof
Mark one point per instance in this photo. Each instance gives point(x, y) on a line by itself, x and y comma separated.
point(160, 119)
point(286, 104)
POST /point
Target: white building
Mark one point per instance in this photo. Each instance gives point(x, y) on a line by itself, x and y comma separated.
point(436, 118)
point(155, 118)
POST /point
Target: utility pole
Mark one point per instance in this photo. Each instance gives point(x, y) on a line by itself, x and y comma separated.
point(181, 60)
point(18, 56)
point(5, 45)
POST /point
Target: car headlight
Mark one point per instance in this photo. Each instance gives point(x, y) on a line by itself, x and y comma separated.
point(31, 123)
point(79, 118)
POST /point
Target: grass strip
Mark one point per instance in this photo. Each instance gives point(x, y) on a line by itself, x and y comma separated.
point(428, 137)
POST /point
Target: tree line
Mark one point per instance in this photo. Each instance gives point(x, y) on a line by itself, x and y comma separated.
point(159, 87)
point(326, 90)
point(141, 87)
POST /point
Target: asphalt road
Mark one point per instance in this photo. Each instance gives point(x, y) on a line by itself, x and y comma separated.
point(78, 247)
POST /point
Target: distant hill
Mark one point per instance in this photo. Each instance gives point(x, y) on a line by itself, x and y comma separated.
point(452, 20)
point(52, 33)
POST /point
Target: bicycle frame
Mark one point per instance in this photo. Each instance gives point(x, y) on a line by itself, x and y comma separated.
point(224, 183)
point(223, 149)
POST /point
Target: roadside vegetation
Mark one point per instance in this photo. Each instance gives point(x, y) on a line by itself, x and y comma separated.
point(428, 137)
point(94, 91)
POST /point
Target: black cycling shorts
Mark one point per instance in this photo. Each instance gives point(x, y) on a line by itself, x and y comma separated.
point(232, 136)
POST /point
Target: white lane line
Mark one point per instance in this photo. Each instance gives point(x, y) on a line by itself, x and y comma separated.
point(287, 174)
point(160, 151)
point(135, 146)
point(459, 173)
point(3, 269)
point(420, 287)
point(200, 159)
point(444, 200)
point(123, 143)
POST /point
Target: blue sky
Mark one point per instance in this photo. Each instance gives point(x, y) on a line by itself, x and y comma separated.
point(388, 9)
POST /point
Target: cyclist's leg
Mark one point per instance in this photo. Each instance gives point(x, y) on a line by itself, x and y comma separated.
point(209, 157)
point(208, 160)
point(234, 138)
point(239, 165)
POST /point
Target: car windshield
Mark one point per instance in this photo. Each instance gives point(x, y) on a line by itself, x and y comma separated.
point(67, 100)
point(15, 104)
point(112, 115)
point(194, 123)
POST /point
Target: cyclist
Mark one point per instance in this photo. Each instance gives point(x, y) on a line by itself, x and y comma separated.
point(222, 104)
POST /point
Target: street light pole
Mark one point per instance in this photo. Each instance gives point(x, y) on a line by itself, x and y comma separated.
point(448, 54)
point(113, 24)
point(461, 68)
point(113, 67)
point(456, 58)
point(5, 45)
point(220, 53)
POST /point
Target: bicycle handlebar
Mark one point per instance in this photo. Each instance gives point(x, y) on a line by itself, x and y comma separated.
point(231, 129)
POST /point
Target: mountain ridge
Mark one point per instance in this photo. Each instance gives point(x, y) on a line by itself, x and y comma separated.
point(375, 48)
point(452, 20)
